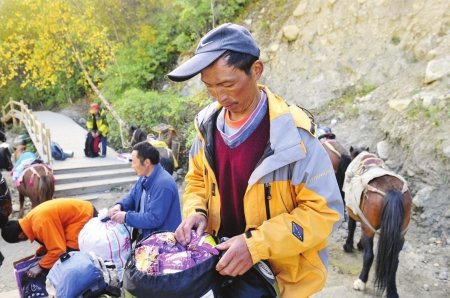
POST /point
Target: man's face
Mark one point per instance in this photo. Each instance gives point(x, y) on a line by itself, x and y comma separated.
point(140, 169)
point(233, 88)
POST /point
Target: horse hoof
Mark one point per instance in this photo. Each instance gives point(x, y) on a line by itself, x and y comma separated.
point(347, 248)
point(359, 285)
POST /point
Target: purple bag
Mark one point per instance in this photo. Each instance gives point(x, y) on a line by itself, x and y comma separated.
point(29, 287)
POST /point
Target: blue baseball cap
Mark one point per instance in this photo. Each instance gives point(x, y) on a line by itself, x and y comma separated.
point(216, 42)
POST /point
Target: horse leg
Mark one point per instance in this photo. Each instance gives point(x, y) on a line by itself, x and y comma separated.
point(359, 245)
point(21, 202)
point(368, 256)
point(348, 246)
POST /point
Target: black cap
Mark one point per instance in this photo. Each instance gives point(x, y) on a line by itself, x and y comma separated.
point(216, 42)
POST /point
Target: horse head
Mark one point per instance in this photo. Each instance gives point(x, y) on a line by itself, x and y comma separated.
point(355, 151)
point(5, 157)
point(136, 135)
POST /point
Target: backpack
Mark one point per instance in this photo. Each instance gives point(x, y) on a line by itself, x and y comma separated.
point(107, 239)
point(79, 274)
point(57, 151)
point(91, 148)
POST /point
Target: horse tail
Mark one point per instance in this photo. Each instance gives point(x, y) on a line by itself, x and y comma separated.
point(390, 241)
point(46, 188)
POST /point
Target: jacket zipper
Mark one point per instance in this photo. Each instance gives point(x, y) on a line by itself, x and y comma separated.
point(267, 197)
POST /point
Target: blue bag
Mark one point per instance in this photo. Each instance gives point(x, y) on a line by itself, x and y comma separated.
point(57, 151)
point(79, 274)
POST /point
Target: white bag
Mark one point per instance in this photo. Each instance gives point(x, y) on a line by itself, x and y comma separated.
point(107, 239)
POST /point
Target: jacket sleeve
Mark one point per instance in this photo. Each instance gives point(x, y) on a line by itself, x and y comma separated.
point(51, 234)
point(318, 209)
point(157, 209)
point(103, 127)
point(128, 202)
point(195, 196)
point(89, 122)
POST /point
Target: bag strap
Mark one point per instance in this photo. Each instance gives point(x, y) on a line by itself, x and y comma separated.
point(64, 257)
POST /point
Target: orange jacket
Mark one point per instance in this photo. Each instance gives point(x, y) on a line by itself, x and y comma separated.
point(55, 224)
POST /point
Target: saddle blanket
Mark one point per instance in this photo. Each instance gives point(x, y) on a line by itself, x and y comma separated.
point(363, 169)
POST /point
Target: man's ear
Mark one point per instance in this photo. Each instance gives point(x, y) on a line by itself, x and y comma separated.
point(257, 69)
point(22, 236)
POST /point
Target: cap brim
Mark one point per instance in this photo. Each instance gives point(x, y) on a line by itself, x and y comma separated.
point(194, 66)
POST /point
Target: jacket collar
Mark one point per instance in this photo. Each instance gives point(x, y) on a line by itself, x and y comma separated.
point(147, 181)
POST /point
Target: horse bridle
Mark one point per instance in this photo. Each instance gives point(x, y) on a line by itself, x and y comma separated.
point(6, 189)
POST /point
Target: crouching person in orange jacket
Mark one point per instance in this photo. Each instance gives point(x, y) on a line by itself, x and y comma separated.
point(55, 224)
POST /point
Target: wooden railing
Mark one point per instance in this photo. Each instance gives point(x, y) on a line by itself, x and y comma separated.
point(19, 113)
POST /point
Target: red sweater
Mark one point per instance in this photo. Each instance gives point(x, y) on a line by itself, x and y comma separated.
point(233, 169)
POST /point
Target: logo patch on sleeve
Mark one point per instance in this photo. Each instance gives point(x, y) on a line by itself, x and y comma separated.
point(297, 231)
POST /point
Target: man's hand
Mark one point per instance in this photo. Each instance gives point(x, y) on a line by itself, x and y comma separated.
point(34, 271)
point(195, 221)
point(113, 210)
point(237, 259)
point(119, 217)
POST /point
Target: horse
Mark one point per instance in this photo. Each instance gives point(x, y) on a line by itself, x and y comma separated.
point(2, 132)
point(339, 156)
point(166, 156)
point(136, 135)
point(384, 208)
point(33, 178)
point(5, 157)
point(5, 201)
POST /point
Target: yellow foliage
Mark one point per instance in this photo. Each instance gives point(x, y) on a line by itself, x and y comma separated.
point(43, 38)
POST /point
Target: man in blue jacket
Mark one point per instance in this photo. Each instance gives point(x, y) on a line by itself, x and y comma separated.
point(153, 203)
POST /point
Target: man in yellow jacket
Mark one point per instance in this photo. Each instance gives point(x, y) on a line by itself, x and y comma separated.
point(97, 125)
point(55, 224)
point(257, 175)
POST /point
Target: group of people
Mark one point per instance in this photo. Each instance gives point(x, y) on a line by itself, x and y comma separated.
point(257, 176)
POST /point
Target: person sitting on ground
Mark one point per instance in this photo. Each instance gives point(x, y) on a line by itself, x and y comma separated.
point(153, 203)
point(97, 125)
point(55, 224)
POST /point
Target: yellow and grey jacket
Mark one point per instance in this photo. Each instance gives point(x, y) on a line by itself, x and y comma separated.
point(102, 124)
point(292, 202)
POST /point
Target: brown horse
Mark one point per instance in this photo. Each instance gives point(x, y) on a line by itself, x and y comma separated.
point(381, 201)
point(5, 201)
point(35, 180)
point(339, 156)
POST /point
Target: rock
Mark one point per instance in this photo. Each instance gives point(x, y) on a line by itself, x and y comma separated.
point(422, 197)
point(291, 32)
point(301, 9)
point(443, 275)
point(399, 104)
point(383, 149)
point(436, 69)
point(446, 148)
